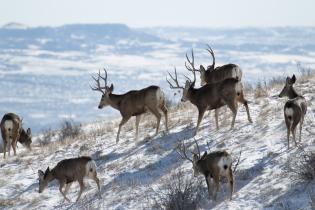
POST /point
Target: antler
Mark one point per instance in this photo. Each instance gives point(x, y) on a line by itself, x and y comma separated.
point(181, 150)
point(97, 80)
point(199, 156)
point(192, 65)
point(209, 49)
point(175, 80)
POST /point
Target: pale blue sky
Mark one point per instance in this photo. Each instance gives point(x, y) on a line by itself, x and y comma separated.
point(139, 13)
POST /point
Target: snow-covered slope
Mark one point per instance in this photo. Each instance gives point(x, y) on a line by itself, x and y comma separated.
point(130, 169)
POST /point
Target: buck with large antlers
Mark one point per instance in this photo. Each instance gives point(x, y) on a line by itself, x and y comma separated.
point(133, 103)
point(211, 96)
point(12, 132)
point(216, 74)
point(213, 165)
point(294, 109)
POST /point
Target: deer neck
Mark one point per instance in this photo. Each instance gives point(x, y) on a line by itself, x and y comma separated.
point(292, 93)
point(115, 100)
point(192, 96)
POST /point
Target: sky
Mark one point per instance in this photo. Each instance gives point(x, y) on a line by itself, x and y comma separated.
point(148, 13)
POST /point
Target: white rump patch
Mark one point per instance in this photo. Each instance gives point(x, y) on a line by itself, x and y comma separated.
point(90, 169)
point(288, 112)
point(8, 125)
point(224, 161)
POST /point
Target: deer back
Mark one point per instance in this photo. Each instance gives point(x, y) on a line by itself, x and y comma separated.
point(138, 101)
point(71, 169)
point(223, 72)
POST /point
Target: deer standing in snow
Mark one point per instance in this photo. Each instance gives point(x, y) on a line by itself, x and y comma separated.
point(133, 103)
point(294, 109)
point(211, 96)
point(66, 172)
point(12, 132)
point(217, 74)
point(212, 166)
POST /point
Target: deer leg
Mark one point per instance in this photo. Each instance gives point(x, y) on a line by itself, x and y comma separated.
point(138, 117)
point(233, 106)
point(82, 187)
point(216, 115)
point(67, 189)
point(231, 181)
point(4, 148)
point(97, 181)
point(13, 145)
point(158, 118)
point(61, 184)
point(208, 181)
point(200, 116)
point(122, 122)
point(217, 185)
point(293, 133)
point(164, 110)
point(301, 124)
point(247, 111)
point(288, 137)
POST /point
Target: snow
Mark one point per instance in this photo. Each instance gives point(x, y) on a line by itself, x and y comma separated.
point(130, 168)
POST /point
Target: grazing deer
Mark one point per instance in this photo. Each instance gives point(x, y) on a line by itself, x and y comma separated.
point(66, 172)
point(12, 132)
point(294, 109)
point(211, 96)
point(133, 103)
point(213, 165)
point(216, 74)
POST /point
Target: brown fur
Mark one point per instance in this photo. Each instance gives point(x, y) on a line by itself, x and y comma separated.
point(297, 104)
point(134, 103)
point(66, 172)
point(17, 134)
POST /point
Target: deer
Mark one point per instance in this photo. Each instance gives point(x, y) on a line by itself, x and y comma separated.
point(68, 171)
point(294, 109)
point(213, 165)
point(216, 74)
point(13, 132)
point(210, 96)
point(133, 103)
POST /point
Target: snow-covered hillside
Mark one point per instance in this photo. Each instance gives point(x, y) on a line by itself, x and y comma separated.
point(130, 169)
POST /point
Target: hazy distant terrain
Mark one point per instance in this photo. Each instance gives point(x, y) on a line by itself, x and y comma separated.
point(45, 71)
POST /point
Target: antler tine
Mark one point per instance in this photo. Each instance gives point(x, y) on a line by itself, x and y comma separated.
point(192, 64)
point(98, 85)
point(197, 148)
point(208, 146)
point(212, 54)
point(175, 79)
point(181, 150)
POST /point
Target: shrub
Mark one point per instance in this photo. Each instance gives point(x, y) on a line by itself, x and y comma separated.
point(302, 166)
point(179, 193)
point(47, 136)
point(69, 129)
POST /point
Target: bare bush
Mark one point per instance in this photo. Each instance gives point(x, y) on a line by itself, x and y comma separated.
point(179, 193)
point(261, 90)
point(302, 167)
point(46, 137)
point(69, 129)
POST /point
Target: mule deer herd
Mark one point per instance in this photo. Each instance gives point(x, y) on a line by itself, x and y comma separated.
point(220, 86)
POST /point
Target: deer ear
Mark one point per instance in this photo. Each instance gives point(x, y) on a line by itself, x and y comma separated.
point(293, 79)
point(47, 171)
point(111, 88)
point(40, 174)
point(202, 68)
point(28, 131)
point(204, 155)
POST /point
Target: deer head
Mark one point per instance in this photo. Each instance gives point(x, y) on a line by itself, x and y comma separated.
point(197, 158)
point(106, 90)
point(288, 87)
point(26, 138)
point(44, 179)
